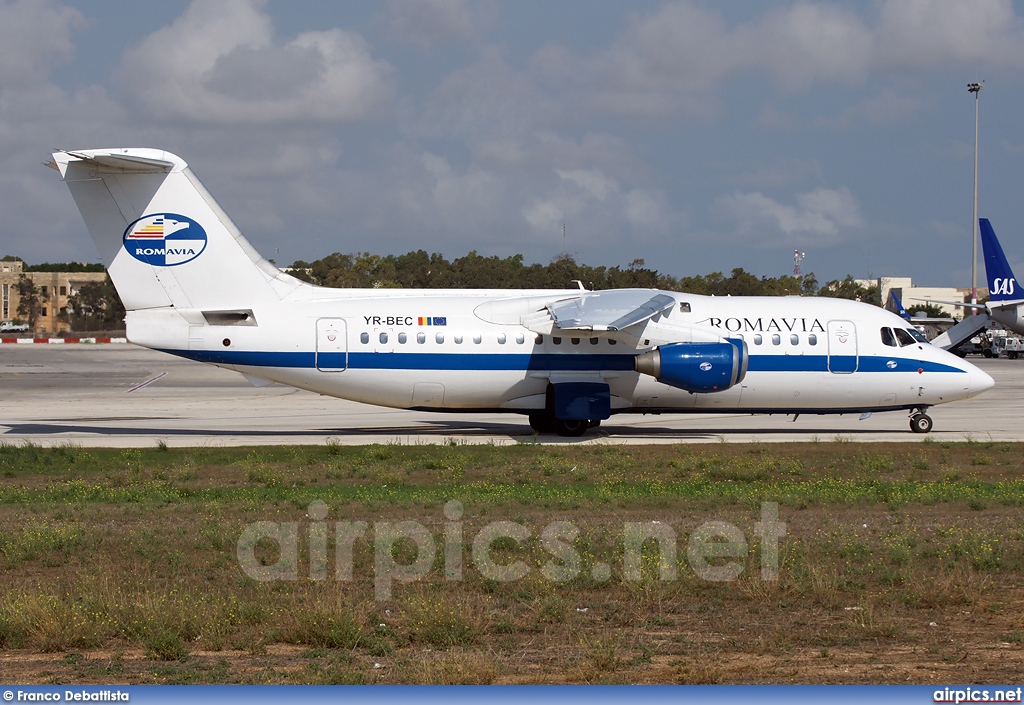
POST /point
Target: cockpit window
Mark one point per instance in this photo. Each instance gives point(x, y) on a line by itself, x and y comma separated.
point(888, 338)
point(918, 335)
point(904, 336)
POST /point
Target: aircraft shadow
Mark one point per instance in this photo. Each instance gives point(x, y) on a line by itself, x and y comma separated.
point(452, 427)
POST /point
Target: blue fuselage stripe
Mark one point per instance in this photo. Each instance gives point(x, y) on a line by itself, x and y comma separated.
point(538, 361)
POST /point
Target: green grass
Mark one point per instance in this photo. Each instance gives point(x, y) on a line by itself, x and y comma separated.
point(119, 550)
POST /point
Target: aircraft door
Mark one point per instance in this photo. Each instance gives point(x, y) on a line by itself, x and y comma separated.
point(331, 345)
point(842, 347)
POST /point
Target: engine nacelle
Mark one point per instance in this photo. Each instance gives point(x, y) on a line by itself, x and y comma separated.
point(696, 367)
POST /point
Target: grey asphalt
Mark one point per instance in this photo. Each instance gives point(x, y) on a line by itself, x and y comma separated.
point(80, 394)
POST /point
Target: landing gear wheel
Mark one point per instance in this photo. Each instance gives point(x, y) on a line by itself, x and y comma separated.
point(571, 428)
point(594, 423)
point(542, 423)
point(920, 423)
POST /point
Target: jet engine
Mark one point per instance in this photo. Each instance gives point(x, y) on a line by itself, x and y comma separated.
point(696, 367)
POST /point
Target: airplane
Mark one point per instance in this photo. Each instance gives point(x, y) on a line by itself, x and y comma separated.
point(1005, 297)
point(918, 318)
point(567, 359)
point(1005, 300)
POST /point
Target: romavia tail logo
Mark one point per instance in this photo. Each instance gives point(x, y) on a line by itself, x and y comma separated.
point(165, 239)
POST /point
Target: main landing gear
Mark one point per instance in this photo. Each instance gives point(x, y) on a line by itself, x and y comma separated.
point(546, 423)
point(920, 422)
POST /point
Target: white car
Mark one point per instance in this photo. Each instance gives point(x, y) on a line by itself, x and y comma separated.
point(12, 327)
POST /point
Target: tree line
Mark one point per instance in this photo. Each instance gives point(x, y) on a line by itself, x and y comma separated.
point(96, 306)
point(419, 270)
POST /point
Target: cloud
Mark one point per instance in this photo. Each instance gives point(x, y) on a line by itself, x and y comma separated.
point(885, 107)
point(589, 201)
point(430, 23)
point(220, 63)
point(782, 174)
point(673, 60)
point(818, 216)
point(932, 33)
point(33, 37)
point(486, 100)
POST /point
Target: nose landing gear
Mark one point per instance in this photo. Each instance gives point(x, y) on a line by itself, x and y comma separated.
point(920, 422)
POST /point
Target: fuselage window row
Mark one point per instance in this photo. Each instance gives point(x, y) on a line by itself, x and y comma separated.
point(794, 339)
point(421, 338)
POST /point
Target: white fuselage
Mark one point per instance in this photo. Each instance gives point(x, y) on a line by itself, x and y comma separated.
point(469, 350)
point(193, 286)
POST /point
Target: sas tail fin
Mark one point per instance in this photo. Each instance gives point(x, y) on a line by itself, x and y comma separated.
point(164, 239)
point(1002, 285)
point(898, 306)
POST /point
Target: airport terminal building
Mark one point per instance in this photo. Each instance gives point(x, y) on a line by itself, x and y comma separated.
point(912, 295)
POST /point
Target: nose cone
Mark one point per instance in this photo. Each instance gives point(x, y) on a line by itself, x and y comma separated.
point(978, 381)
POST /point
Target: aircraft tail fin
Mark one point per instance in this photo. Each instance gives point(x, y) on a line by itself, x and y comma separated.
point(164, 239)
point(898, 305)
point(1002, 285)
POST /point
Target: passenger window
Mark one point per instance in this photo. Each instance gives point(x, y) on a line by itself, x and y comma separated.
point(439, 338)
point(520, 338)
point(812, 339)
point(383, 338)
point(794, 339)
point(477, 338)
point(458, 340)
point(612, 341)
point(904, 337)
point(887, 338)
point(364, 338)
point(539, 340)
point(776, 339)
point(421, 338)
point(402, 338)
point(758, 339)
point(593, 341)
point(575, 341)
point(684, 308)
point(501, 339)
point(556, 341)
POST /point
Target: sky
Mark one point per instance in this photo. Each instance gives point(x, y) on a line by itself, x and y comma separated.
point(697, 136)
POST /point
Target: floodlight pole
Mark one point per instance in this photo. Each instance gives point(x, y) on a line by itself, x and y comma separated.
point(975, 88)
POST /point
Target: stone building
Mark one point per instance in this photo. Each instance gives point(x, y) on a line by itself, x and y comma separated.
point(55, 288)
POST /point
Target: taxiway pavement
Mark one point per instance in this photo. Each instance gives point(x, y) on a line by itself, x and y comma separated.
point(83, 394)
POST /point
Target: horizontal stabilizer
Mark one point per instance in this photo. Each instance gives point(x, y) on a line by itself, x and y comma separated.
point(116, 161)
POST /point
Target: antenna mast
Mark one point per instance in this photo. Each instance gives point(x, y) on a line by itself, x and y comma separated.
point(798, 257)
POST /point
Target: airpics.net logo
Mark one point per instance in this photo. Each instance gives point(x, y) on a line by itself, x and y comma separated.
point(716, 550)
point(165, 239)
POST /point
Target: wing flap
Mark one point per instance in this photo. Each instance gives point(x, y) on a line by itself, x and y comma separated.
point(608, 310)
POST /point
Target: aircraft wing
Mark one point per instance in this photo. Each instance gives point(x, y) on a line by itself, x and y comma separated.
point(959, 304)
point(990, 306)
point(600, 311)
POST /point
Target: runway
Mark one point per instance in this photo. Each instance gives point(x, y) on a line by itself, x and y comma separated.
point(91, 396)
